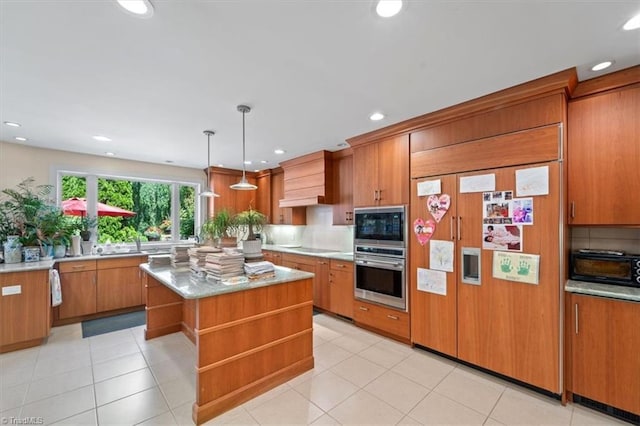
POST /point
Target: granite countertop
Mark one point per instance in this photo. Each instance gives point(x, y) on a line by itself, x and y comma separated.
point(604, 290)
point(308, 251)
point(187, 285)
point(26, 266)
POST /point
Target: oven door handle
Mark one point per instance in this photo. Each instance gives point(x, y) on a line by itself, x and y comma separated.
point(381, 264)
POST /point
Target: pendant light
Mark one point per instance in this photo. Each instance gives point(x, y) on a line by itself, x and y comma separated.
point(209, 192)
point(243, 185)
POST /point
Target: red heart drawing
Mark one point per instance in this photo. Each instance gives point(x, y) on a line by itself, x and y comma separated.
point(424, 230)
point(438, 206)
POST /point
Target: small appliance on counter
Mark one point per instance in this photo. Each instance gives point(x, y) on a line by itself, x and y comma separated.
point(606, 266)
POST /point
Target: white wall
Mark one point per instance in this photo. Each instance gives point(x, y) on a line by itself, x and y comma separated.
point(625, 239)
point(18, 162)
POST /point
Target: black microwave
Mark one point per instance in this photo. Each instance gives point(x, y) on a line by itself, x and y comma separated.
point(607, 267)
point(380, 226)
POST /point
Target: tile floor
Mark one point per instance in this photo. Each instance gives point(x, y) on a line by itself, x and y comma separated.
point(359, 378)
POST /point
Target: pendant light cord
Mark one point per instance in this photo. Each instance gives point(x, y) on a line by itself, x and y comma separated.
point(244, 166)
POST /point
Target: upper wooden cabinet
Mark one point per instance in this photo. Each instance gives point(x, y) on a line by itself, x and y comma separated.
point(381, 173)
point(602, 157)
point(284, 215)
point(230, 199)
point(343, 187)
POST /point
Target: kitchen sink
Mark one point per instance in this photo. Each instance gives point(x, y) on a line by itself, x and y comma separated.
point(120, 253)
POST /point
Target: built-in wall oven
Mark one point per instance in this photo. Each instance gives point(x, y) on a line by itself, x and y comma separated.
point(380, 255)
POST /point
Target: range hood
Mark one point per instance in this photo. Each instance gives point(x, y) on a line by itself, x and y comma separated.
point(308, 180)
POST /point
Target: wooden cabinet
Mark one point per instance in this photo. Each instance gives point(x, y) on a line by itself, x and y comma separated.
point(321, 290)
point(390, 321)
point(263, 194)
point(381, 173)
point(119, 283)
point(272, 256)
point(605, 342)
point(78, 284)
point(284, 215)
point(25, 306)
point(231, 199)
point(602, 156)
point(343, 187)
point(341, 288)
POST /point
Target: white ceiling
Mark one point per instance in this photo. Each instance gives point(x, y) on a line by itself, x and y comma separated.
point(311, 70)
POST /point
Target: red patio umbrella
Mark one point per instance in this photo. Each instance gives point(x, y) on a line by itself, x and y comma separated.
point(78, 207)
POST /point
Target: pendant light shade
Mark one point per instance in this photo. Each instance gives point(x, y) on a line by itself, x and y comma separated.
point(209, 191)
point(243, 185)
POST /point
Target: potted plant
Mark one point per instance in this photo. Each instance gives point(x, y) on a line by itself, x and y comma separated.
point(251, 221)
point(220, 229)
point(85, 225)
point(153, 233)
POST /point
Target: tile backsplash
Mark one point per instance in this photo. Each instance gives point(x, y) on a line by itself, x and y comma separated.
point(625, 239)
point(319, 232)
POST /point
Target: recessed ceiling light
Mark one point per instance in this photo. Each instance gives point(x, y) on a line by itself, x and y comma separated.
point(247, 161)
point(633, 23)
point(279, 151)
point(102, 138)
point(21, 139)
point(601, 66)
point(388, 8)
point(110, 154)
point(342, 144)
point(12, 124)
point(256, 170)
point(139, 8)
point(220, 165)
point(376, 116)
point(168, 161)
point(264, 161)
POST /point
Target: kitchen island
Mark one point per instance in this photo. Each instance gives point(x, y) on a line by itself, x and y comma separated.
point(249, 337)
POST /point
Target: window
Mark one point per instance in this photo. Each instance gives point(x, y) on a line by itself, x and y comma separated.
point(130, 208)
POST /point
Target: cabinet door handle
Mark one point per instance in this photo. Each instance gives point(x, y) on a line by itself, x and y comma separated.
point(375, 195)
point(576, 306)
point(393, 317)
point(453, 237)
point(78, 266)
point(459, 228)
point(573, 209)
point(340, 265)
point(322, 263)
point(362, 308)
point(94, 279)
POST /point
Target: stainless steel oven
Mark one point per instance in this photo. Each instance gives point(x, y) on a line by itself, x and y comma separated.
point(380, 275)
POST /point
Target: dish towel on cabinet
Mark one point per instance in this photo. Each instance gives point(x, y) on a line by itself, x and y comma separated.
point(56, 290)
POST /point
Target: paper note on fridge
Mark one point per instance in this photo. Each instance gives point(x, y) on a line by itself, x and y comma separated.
point(432, 281)
point(480, 183)
point(533, 181)
point(429, 187)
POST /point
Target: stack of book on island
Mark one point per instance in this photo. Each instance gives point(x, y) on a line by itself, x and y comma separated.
point(257, 270)
point(179, 256)
point(198, 258)
point(227, 264)
point(160, 260)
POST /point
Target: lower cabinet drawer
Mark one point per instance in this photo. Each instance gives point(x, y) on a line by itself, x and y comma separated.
point(384, 319)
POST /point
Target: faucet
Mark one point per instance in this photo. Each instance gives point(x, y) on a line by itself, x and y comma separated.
point(138, 243)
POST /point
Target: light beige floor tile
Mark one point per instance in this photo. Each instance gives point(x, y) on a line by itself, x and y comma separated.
point(14, 377)
point(329, 354)
point(362, 408)
point(133, 409)
point(12, 397)
point(58, 384)
point(62, 349)
point(384, 355)
point(182, 414)
point(518, 407)
point(394, 346)
point(352, 343)
point(122, 386)
point(325, 420)
point(397, 391)
point(51, 366)
point(177, 392)
point(436, 409)
point(317, 341)
point(473, 391)
point(492, 422)
point(176, 350)
point(88, 418)
point(326, 390)
point(586, 416)
point(408, 421)
point(424, 368)
point(266, 397)
point(236, 416)
point(19, 360)
point(105, 353)
point(61, 406)
point(163, 419)
point(173, 369)
point(118, 366)
point(325, 332)
point(304, 377)
point(10, 415)
point(64, 333)
point(110, 339)
point(287, 408)
point(358, 370)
